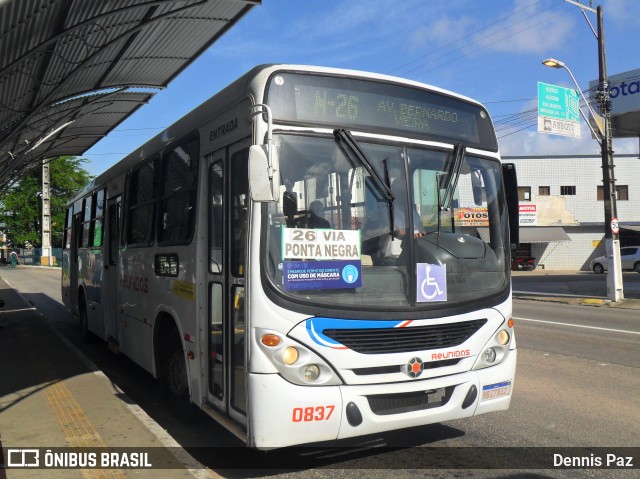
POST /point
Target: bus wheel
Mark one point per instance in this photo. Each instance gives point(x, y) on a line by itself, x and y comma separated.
point(175, 382)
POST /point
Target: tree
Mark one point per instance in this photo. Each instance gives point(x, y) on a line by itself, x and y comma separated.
point(21, 206)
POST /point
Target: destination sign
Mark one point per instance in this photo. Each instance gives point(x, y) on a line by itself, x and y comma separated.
point(301, 243)
point(379, 107)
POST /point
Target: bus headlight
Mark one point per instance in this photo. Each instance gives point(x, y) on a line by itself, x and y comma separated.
point(496, 349)
point(489, 355)
point(311, 373)
point(290, 355)
point(294, 361)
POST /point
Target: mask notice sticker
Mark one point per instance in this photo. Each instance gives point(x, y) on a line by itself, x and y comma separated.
point(300, 275)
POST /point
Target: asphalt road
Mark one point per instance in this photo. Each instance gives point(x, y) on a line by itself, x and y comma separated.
point(581, 284)
point(577, 385)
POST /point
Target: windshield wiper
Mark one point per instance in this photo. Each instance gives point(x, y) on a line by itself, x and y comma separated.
point(452, 176)
point(350, 147)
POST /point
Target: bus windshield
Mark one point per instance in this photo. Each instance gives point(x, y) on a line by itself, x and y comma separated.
point(335, 240)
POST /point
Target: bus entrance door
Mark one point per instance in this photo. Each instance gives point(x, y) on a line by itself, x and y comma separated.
point(227, 216)
point(74, 264)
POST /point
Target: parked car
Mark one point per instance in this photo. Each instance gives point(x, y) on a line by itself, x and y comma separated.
point(629, 255)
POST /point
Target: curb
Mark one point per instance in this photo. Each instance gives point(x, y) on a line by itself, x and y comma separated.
point(579, 300)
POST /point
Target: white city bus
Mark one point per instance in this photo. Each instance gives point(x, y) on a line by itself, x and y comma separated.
point(312, 254)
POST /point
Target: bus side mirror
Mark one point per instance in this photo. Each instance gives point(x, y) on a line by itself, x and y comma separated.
point(264, 177)
point(513, 208)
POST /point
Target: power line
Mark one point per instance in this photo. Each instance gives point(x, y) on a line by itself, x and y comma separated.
point(461, 38)
point(507, 101)
point(470, 37)
point(514, 132)
point(464, 54)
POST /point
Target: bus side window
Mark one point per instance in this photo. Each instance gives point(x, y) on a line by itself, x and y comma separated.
point(178, 190)
point(239, 197)
point(86, 222)
point(68, 231)
point(141, 204)
point(216, 233)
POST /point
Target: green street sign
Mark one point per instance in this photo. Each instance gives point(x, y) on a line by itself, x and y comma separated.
point(558, 103)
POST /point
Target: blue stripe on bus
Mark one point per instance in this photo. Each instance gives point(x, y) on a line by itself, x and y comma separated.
point(316, 326)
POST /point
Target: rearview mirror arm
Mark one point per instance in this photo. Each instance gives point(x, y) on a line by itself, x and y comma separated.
point(255, 110)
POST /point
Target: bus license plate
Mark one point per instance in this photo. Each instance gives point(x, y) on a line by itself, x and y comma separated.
point(494, 391)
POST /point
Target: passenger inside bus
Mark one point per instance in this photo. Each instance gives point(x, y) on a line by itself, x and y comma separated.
point(311, 218)
point(314, 217)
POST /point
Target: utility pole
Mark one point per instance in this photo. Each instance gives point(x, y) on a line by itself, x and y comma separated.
point(45, 256)
point(611, 227)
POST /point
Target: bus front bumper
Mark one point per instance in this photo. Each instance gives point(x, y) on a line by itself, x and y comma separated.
point(283, 414)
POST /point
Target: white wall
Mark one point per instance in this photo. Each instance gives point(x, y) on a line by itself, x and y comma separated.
point(585, 173)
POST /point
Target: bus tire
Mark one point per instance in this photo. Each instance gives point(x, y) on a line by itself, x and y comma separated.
point(175, 383)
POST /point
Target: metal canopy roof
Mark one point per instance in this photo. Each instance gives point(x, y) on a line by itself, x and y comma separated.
point(72, 70)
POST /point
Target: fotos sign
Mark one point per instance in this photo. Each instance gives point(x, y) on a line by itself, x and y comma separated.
point(471, 216)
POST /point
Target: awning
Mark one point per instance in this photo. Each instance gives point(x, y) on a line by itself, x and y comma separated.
point(535, 234)
point(71, 71)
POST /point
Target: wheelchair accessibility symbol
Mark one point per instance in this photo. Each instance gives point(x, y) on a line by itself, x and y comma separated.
point(432, 282)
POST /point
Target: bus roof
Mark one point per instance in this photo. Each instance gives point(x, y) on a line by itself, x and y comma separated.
point(232, 94)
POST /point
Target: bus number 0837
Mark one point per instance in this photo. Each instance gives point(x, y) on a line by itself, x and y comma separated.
point(308, 414)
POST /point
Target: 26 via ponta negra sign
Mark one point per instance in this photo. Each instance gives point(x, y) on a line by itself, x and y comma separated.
point(320, 244)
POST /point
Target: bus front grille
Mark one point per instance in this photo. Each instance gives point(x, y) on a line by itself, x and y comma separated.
point(398, 368)
point(398, 340)
point(386, 404)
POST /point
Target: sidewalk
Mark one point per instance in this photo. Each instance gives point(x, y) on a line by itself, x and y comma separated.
point(583, 298)
point(52, 397)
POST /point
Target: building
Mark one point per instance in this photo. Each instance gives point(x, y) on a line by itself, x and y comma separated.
point(562, 209)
